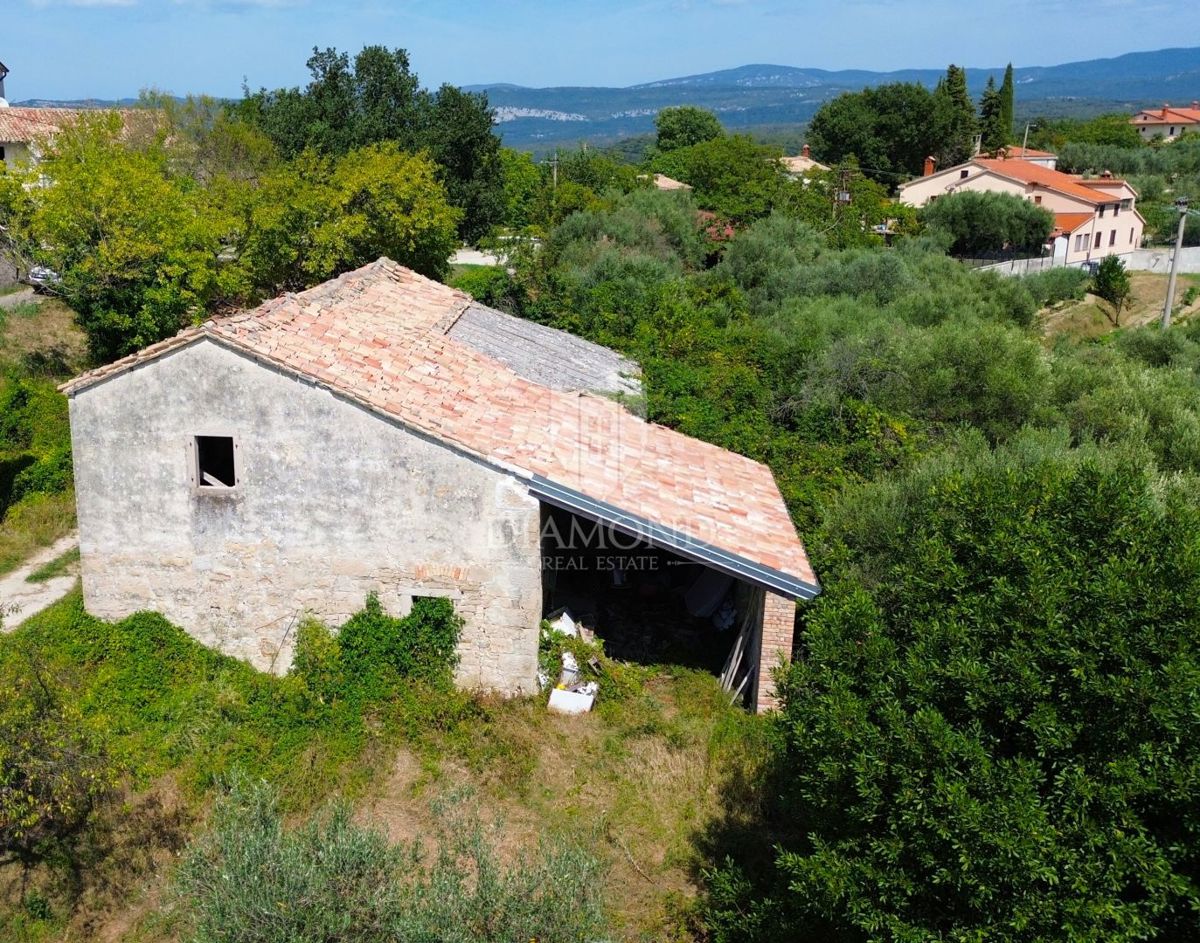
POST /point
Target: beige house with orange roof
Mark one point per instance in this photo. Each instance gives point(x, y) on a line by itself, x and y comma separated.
point(384, 433)
point(1094, 217)
point(1167, 122)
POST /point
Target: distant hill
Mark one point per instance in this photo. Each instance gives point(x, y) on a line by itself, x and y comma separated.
point(76, 103)
point(778, 97)
point(753, 96)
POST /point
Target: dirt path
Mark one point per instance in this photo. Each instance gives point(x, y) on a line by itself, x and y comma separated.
point(19, 600)
point(16, 298)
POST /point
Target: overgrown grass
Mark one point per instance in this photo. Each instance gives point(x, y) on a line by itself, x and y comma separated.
point(34, 523)
point(638, 781)
point(56, 567)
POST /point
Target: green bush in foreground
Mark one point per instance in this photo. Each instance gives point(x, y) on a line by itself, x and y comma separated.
point(251, 880)
point(374, 653)
point(54, 767)
point(994, 731)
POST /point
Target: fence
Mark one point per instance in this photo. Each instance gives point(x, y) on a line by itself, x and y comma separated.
point(1140, 260)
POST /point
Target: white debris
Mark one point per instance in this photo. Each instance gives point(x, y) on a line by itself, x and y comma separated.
point(570, 702)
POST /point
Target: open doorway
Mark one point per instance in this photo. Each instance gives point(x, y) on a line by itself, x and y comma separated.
point(646, 603)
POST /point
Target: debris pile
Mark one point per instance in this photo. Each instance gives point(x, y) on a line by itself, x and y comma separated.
point(570, 694)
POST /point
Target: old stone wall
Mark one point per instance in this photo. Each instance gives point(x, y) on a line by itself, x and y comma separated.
point(331, 502)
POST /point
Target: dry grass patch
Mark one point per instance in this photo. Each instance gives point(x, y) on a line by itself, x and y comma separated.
point(33, 524)
point(1091, 317)
point(636, 782)
point(44, 336)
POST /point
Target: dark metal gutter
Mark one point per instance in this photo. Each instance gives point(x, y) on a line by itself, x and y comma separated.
point(731, 563)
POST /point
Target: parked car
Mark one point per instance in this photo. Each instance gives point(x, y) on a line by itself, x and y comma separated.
point(43, 278)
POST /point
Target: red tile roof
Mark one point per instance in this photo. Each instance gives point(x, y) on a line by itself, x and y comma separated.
point(1028, 153)
point(1069, 222)
point(1169, 115)
point(22, 125)
point(378, 337)
point(1025, 171)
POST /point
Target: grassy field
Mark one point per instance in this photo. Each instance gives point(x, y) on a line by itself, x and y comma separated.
point(1092, 317)
point(643, 783)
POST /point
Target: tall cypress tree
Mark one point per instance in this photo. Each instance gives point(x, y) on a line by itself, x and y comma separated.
point(991, 117)
point(1006, 104)
point(954, 117)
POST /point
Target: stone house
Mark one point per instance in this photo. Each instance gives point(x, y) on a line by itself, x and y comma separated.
point(1094, 216)
point(385, 433)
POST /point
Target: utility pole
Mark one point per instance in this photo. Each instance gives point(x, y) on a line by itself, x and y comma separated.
point(1182, 205)
point(1025, 143)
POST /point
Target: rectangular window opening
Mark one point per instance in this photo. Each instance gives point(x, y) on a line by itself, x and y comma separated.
point(1098, 236)
point(215, 465)
point(962, 174)
point(1112, 238)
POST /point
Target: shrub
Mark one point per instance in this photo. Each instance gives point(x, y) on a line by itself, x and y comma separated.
point(250, 880)
point(54, 767)
point(374, 652)
point(989, 222)
point(1112, 284)
point(1057, 284)
point(992, 734)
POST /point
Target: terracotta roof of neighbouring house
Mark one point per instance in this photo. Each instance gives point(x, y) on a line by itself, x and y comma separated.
point(1028, 153)
point(800, 164)
point(1025, 171)
point(663, 182)
point(1069, 222)
point(22, 125)
point(1169, 115)
point(27, 124)
point(380, 336)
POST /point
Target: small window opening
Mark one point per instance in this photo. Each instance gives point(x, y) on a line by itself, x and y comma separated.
point(962, 174)
point(214, 461)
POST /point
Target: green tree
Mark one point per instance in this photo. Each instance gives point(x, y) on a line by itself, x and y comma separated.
point(953, 118)
point(1007, 104)
point(731, 175)
point(684, 126)
point(467, 153)
point(844, 204)
point(889, 130)
point(136, 244)
point(377, 99)
point(1113, 285)
point(992, 733)
point(319, 217)
point(991, 118)
point(522, 181)
point(980, 223)
point(54, 766)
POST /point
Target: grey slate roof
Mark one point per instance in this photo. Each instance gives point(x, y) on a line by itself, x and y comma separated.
point(544, 355)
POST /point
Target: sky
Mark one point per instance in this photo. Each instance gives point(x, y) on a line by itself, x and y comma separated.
point(64, 49)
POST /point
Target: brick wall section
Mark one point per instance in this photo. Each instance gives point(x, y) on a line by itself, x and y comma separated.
point(778, 626)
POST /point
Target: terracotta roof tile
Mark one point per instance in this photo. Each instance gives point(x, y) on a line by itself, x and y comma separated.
point(1025, 171)
point(1069, 222)
point(376, 338)
point(22, 125)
